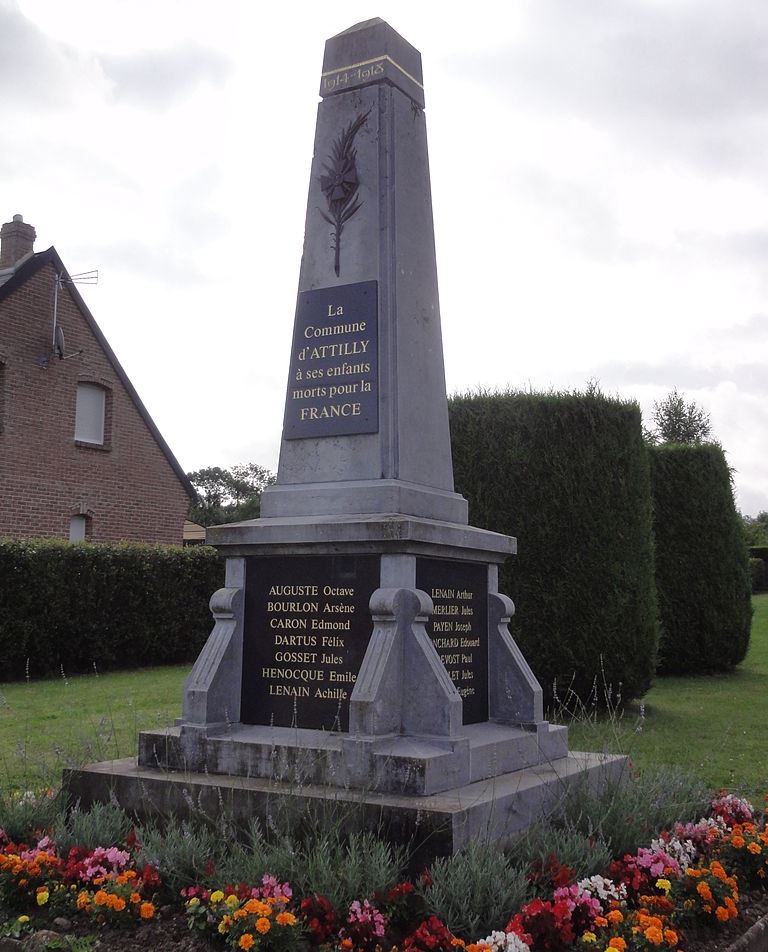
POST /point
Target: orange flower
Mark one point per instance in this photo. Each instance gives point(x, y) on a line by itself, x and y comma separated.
point(286, 919)
point(654, 935)
point(239, 914)
point(704, 891)
point(246, 941)
point(146, 910)
point(346, 944)
point(617, 943)
point(117, 903)
point(615, 917)
point(101, 898)
point(601, 921)
point(737, 841)
point(670, 937)
point(263, 925)
point(83, 901)
point(135, 898)
point(722, 914)
point(755, 848)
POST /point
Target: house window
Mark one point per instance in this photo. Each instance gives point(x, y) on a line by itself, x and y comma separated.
point(78, 528)
point(89, 413)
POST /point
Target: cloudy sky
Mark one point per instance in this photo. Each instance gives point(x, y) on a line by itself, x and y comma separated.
point(599, 187)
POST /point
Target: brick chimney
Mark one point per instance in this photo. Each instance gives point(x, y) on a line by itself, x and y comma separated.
point(17, 240)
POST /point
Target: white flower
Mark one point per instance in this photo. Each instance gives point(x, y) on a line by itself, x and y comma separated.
point(505, 942)
point(603, 889)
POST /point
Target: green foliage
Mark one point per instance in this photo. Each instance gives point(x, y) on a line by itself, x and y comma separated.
point(756, 530)
point(102, 823)
point(679, 422)
point(23, 813)
point(568, 475)
point(475, 890)
point(344, 869)
point(759, 575)
point(182, 851)
point(67, 607)
point(584, 853)
point(628, 812)
point(253, 854)
point(702, 571)
point(228, 495)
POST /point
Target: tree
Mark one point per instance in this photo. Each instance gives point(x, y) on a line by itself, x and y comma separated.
point(676, 421)
point(756, 528)
point(228, 495)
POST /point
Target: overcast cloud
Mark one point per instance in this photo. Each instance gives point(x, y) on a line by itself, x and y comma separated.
point(599, 187)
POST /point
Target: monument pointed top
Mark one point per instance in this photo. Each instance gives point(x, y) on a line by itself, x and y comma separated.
point(362, 25)
point(371, 52)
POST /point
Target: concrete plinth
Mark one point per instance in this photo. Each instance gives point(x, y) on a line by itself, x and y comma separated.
point(497, 808)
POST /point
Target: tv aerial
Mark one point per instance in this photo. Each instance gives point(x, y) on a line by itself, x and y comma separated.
point(58, 341)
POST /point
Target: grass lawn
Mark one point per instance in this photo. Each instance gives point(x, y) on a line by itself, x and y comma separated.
point(716, 726)
point(47, 725)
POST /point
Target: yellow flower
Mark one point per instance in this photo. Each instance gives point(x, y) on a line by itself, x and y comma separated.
point(232, 901)
point(42, 897)
point(263, 925)
point(191, 903)
point(23, 919)
point(217, 895)
point(664, 885)
point(225, 925)
point(589, 937)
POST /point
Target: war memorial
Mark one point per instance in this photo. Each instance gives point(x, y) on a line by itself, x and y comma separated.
point(360, 652)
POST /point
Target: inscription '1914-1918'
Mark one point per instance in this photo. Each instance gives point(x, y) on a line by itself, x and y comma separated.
point(333, 379)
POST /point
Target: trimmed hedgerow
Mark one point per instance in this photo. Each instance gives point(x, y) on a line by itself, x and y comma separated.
point(567, 474)
point(757, 570)
point(124, 605)
point(702, 571)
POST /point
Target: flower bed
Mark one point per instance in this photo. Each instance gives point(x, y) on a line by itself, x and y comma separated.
point(686, 883)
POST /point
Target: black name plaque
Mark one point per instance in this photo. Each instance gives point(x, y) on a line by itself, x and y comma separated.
point(307, 625)
point(459, 627)
point(333, 377)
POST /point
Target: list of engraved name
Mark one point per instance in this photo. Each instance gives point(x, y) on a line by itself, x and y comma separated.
point(454, 637)
point(309, 627)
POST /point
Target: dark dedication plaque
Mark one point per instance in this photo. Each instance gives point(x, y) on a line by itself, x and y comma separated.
point(333, 379)
point(307, 626)
point(459, 627)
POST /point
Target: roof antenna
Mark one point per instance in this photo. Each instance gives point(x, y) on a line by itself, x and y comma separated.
point(58, 343)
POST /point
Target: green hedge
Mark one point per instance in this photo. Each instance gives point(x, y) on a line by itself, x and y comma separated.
point(759, 575)
point(702, 571)
point(115, 606)
point(568, 475)
point(759, 552)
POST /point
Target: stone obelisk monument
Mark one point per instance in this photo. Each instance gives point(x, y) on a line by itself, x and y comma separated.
point(360, 643)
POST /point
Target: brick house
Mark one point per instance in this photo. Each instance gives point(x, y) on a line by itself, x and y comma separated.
point(80, 457)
